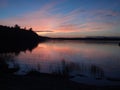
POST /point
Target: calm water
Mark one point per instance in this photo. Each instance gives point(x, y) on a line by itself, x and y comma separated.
point(85, 62)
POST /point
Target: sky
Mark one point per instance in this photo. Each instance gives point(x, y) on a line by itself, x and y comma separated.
point(63, 18)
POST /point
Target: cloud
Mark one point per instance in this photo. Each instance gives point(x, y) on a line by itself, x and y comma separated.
point(103, 15)
point(66, 28)
point(108, 13)
point(46, 19)
point(87, 27)
point(36, 19)
point(45, 31)
point(97, 26)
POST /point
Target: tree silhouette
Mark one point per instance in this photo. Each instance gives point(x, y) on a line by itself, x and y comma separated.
point(24, 28)
point(17, 39)
point(17, 26)
point(31, 29)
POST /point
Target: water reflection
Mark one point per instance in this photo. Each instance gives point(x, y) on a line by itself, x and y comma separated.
point(7, 64)
point(17, 48)
point(8, 56)
point(72, 69)
point(97, 72)
point(80, 61)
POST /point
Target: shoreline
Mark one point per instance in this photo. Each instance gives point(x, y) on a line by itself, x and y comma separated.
point(44, 81)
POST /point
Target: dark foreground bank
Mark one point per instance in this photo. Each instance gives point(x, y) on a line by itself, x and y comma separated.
point(45, 82)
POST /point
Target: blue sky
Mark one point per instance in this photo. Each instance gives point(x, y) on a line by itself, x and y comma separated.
point(63, 18)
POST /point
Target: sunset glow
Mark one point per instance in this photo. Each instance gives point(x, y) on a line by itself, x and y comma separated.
point(64, 18)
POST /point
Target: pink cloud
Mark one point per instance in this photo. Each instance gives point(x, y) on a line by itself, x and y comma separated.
point(86, 27)
point(97, 26)
point(44, 20)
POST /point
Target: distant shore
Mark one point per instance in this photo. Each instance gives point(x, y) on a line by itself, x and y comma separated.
point(90, 38)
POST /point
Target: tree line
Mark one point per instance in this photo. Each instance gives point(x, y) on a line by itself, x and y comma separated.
point(16, 38)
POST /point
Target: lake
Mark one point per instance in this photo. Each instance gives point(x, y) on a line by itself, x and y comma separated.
point(95, 63)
